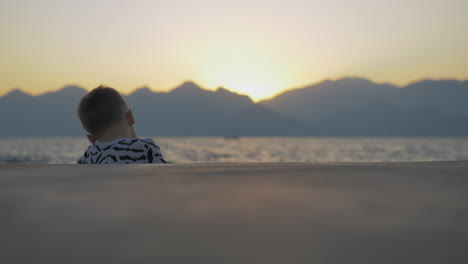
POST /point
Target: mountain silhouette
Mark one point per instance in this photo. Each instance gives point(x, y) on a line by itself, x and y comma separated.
point(343, 107)
point(187, 110)
point(359, 107)
point(16, 95)
point(49, 114)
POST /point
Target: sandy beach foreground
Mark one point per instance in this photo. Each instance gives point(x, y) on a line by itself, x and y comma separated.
point(235, 213)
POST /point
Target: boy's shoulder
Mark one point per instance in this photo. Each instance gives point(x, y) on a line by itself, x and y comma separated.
point(123, 150)
point(135, 143)
point(126, 142)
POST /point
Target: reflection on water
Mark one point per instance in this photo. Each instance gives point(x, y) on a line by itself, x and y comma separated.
point(188, 150)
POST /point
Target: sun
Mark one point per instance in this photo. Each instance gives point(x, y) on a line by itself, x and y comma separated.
point(245, 68)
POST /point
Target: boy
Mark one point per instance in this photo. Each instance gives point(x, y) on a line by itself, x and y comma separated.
point(106, 117)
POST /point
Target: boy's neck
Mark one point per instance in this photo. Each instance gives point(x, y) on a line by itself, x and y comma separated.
point(117, 133)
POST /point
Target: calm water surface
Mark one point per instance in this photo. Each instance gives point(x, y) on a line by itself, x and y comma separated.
point(187, 150)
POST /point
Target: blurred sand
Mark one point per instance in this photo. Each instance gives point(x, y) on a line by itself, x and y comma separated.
point(235, 213)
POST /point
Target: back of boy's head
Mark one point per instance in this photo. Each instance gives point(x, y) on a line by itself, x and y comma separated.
point(100, 109)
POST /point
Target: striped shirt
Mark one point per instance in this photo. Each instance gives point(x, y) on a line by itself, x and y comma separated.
point(123, 151)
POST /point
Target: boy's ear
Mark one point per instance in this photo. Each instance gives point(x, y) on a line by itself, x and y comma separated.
point(130, 118)
point(91, 138)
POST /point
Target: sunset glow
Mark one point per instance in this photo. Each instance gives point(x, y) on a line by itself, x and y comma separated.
point(259, 48)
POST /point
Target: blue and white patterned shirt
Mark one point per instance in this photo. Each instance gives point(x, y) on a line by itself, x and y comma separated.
point(123, 151)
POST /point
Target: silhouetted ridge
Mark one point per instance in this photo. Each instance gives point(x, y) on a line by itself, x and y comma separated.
point(142, 91)
point(343, 107)
point(224, 93)
point(359, 107)
point(66, 91)
point(16, 94)
point(187, 88)
point(353, 81)
point(224, 90)
point(437, 84)
point(72, 90)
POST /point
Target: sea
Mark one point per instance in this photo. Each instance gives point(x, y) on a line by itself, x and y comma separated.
point(67, 150)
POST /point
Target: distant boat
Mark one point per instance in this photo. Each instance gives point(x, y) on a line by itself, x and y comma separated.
point(231, 137)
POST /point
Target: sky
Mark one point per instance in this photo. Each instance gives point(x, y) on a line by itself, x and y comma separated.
point(259, 48)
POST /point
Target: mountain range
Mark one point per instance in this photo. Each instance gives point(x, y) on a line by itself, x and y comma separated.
point(343, 107)
point(359, 107)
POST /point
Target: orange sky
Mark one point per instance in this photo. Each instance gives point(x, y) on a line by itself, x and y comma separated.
point(254, 47)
